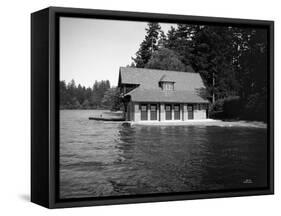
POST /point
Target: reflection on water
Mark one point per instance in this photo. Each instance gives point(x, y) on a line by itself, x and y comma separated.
point(108, 159)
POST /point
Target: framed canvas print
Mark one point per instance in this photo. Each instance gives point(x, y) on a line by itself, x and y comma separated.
point(138, 107)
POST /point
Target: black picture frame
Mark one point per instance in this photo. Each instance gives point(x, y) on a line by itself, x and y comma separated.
point(45, 101)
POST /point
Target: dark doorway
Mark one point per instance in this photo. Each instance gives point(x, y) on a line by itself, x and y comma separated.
point(168, 109)
point(177, 112)
point(143, 112)
point(153, 112)
point(190, 111)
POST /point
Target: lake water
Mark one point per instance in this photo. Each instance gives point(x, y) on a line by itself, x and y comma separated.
point(108, 159)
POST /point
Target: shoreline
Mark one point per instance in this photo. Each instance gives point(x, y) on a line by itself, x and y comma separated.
point(205, 122)
point(107, 114)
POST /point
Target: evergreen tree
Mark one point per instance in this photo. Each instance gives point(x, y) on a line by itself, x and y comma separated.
point(165, 59)
point(63, 94)
point(171, 42)
point(252, 67)
point(86, 104)
point(162, 42)
point(213, 59)
point(185, 45)
point(80, 94)
point(111, 99)
point(148, 46)
point(79, 97)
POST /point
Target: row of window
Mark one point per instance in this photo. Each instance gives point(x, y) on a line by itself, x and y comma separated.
point(168, 86)
point(168, 111)
point(153, 107)
point(200, 106)
point(153, 112)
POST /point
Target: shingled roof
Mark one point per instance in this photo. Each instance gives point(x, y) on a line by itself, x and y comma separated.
point(186, 85)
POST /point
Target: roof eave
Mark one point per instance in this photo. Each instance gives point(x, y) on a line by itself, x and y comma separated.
point(180, 102)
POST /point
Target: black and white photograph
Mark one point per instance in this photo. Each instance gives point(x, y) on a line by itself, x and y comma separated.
point(161, 108)
point(140, 108)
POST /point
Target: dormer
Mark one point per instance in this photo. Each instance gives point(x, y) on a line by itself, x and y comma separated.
point(166, 83)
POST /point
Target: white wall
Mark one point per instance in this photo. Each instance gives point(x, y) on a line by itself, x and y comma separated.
point(15, 108)
point(162, 112)
point(199, 114)
point(137, 112)
point(185, 112)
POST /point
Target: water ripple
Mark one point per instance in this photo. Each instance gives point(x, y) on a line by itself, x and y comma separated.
point(108, 159)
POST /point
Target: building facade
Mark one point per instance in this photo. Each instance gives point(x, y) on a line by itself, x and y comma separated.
point(161, 95)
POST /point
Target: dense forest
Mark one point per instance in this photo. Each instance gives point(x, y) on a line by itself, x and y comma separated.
point(232, 62)
point(100, 96)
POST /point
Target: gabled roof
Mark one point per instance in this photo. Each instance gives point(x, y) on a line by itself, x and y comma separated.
point(149, 78)
point(186, 85)
point(144, 95)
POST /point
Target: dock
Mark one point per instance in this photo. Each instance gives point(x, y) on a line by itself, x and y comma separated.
point(108, 116)
point(106, 119)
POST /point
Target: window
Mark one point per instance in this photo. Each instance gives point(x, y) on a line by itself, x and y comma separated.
point(190, 111)
point(143, 107)
point(202, 106)
point(168, 86)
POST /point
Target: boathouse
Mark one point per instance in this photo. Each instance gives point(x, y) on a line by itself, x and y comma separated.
point(161, 95)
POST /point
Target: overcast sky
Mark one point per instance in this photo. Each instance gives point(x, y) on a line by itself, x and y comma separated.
point(94, 49)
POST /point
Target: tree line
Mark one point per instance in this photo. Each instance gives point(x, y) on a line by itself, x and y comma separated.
point(232, 62)
point(100, 96)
